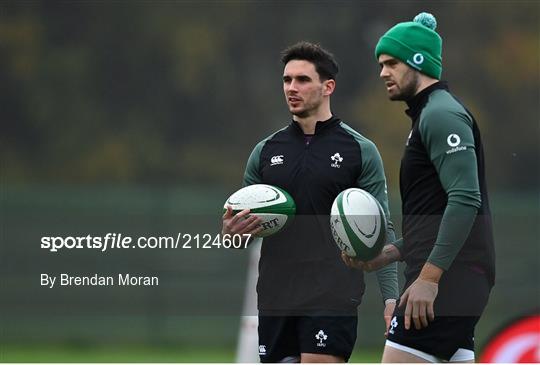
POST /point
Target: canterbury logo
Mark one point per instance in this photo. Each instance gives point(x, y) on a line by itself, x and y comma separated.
point(276, 160)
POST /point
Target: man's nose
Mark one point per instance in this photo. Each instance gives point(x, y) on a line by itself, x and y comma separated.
point(292, 86)
point(384, 72)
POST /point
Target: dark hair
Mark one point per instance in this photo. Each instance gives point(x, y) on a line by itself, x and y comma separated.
point(324, 61)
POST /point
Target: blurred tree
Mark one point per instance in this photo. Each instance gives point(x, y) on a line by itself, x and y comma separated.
point(180, 92)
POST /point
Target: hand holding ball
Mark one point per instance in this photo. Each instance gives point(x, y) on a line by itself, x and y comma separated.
point(272, 205)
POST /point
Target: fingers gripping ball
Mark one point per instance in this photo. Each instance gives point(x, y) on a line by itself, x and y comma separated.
point(358, 224)
point(274, 206)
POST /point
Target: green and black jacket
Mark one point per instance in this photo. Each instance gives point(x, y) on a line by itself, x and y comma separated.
point(446, 215)
point(300, 267)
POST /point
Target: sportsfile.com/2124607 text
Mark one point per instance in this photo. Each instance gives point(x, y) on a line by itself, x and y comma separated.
point(121, 241)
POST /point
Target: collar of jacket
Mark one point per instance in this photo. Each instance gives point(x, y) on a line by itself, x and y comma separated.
point(320, 126)
point(417, 103)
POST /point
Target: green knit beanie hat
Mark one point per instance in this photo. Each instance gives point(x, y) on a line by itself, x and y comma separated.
point(416, 43)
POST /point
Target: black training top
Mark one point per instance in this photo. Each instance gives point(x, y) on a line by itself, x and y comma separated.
point(300, 267)
point(446, 215)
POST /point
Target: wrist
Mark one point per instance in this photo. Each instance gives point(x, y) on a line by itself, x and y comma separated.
point(390, 301)
point(431, 273)
point(391, 253)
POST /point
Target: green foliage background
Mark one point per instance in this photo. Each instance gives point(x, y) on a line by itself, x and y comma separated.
point(176, 92)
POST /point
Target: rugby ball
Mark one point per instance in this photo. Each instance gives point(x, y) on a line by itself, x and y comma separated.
point(273, 205)
point(358, 224)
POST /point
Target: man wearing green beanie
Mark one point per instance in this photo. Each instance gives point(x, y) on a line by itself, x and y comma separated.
point(447, 241)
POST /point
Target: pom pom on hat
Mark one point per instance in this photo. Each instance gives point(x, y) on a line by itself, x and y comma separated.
point(427, 20)
point(415, 43)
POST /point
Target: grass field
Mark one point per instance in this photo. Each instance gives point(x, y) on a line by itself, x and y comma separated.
point(138, 354)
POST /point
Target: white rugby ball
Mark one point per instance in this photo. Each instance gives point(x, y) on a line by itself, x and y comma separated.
point(273, 205)
point(358, 224)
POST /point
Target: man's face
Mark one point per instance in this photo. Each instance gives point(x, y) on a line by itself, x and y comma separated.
point(401, 81)
point(304, 91)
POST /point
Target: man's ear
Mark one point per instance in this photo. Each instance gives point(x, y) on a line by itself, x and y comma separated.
point(328, 87)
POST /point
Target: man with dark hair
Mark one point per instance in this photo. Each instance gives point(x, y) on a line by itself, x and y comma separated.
point(307, 299)
point(447, 242)
point(324, 62)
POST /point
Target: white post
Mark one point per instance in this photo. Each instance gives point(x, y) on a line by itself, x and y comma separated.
point(248, 338)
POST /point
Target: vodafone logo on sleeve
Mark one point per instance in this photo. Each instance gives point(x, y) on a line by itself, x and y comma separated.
point(454, 141)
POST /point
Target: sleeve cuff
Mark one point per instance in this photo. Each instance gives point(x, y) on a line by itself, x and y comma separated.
point(399, 245)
